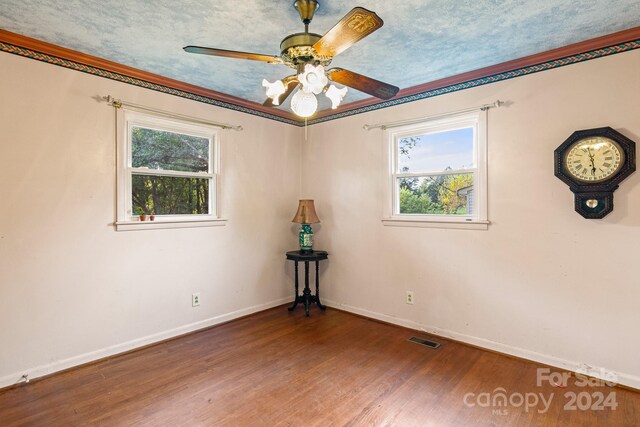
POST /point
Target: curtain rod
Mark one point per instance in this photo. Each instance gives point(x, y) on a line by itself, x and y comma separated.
point(118, 103)
point(384, 126)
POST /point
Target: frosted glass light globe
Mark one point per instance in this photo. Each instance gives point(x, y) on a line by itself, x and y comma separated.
point(304, 104)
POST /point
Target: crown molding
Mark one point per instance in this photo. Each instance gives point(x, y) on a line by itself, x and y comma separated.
point(621, 41)
point(68, 58)
point(598, 47)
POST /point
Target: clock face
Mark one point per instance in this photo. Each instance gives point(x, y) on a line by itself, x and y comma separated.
point(594, 159)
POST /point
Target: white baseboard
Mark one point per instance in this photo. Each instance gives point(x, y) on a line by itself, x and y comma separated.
point(622, 378)
point(60, 365)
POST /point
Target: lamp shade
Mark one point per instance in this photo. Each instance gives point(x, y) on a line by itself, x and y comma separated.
point(335, 95)
point(313, 79)
point(306, 213)
point(274, 90)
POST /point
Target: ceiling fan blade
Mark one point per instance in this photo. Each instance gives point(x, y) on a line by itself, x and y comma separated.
point(362, 83)
point(233, 54)
point(356, 25)
point(290, 82)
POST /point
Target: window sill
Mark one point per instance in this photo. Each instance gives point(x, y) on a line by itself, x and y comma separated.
point(431, 223)
point(159, 224)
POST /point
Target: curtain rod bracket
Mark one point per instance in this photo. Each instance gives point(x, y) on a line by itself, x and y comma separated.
point(112, 101)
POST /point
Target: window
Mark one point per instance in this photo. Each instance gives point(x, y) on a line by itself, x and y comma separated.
point(438, 172)
point(167, 168)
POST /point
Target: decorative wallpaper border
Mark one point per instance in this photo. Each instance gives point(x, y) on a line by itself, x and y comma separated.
point(519, 72)
point(445, 89)
point(73, 65)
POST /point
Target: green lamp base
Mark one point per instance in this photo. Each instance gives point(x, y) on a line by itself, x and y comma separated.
point(305, 237)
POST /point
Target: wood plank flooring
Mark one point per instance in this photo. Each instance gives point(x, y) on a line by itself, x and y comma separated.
point(277, 368)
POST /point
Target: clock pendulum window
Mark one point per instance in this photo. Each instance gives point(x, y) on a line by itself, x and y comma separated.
point(593, 162)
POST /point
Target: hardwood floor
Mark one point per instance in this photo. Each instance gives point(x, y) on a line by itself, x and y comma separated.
point(277, 368)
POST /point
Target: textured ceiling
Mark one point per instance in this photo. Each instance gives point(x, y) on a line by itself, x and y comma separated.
point(421, 40)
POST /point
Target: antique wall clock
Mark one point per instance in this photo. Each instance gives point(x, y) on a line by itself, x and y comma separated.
point(593, 162)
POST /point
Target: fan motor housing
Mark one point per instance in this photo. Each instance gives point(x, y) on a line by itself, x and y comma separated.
point(298, 49)
point(298, 39)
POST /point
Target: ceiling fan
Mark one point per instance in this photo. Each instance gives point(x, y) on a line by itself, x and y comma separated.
point(308, 54)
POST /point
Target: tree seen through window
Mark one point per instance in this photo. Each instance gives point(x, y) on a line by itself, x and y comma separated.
point(440, 190)
point(167, 156)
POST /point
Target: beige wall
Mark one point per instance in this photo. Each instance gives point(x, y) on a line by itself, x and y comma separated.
point(71, 288)
point(542, 282)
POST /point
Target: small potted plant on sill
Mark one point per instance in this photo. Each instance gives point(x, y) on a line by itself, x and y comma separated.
point(142, 216)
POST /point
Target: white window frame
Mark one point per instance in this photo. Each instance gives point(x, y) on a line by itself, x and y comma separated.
point(128, 119)
point(478, 220)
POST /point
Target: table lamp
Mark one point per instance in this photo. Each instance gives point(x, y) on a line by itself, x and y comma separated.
point(306, 215)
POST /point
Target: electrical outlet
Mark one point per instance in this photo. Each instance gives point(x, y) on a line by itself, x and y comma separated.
point(409, 297)
point(195, 299)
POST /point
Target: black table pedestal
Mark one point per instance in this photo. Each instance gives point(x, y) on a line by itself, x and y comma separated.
point(307, 298)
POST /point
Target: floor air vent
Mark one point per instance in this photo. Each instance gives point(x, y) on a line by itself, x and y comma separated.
point(424, 342)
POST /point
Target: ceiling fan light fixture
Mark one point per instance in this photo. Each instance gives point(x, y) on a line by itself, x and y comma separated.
point(304, 104)
point(335, 95)
point(308, 54)
point(313, 79)
point(274, 90)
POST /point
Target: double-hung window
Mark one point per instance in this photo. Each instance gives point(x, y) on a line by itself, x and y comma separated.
point(168, 171)
point(438, 172)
